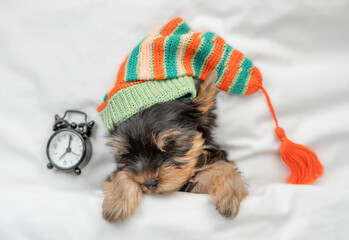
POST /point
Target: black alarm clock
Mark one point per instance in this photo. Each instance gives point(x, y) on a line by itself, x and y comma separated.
point(69, 148)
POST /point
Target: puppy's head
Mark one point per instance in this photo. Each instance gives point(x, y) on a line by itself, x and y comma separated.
point(159, 147)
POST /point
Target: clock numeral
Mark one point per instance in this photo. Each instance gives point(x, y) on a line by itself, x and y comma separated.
point(71, 162)
point(55, 146)
point(65, 162)
point(56, 153)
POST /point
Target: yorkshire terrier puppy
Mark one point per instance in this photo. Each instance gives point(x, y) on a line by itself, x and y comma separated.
point(169, 147)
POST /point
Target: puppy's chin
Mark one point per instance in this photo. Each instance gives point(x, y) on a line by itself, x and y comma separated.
point(158, 191)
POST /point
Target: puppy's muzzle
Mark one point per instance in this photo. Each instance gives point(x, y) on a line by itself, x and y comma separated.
point(151, 184)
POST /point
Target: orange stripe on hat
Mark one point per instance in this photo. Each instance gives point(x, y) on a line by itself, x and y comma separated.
point(170, 26)
point(189, 53)
point(158, 56)
point(233, 68)
point(255, 82)
point(214, 58)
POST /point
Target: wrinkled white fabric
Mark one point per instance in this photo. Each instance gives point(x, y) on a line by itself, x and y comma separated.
point(56, 55)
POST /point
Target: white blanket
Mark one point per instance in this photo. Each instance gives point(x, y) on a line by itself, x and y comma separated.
point(57, 55)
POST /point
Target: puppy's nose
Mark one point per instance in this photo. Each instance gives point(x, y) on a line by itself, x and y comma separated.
point(151, 184)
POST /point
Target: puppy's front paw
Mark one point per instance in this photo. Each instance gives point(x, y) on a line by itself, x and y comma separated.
point(118, 210)
point(225, 200)
point(227, 189)
point(122, 197)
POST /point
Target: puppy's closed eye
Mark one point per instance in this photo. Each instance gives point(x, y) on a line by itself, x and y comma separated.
point(168, 144)
point(166, 140)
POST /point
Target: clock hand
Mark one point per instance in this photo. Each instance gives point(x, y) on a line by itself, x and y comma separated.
point(62, 155)
point(68, 148)
point(75, 153)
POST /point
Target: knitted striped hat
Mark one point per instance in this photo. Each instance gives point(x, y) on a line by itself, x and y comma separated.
point(161, 68)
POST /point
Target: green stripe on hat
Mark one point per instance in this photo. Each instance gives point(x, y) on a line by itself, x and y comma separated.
point(203, 52)
point(132, 63)
point(244, 75)
point(222, 65)
point(170, 56)
point(182, 29)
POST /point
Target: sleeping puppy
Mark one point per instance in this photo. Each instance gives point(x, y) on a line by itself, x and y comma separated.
point(169, 147)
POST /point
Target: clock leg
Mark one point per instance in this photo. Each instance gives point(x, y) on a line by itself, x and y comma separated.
point(49, 166)
point(77, 171)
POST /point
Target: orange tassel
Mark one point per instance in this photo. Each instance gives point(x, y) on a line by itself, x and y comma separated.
point(304, 164)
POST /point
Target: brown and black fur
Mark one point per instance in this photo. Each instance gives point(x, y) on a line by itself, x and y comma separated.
point(170, 147)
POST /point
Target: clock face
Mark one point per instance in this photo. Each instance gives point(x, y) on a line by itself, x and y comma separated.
point(66, 149)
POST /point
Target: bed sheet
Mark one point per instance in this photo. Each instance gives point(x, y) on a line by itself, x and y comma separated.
point(57, 55)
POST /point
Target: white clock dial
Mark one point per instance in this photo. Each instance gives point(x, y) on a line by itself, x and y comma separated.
point(66, 149)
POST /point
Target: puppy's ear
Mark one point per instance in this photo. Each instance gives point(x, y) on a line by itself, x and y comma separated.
point(207, 93)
